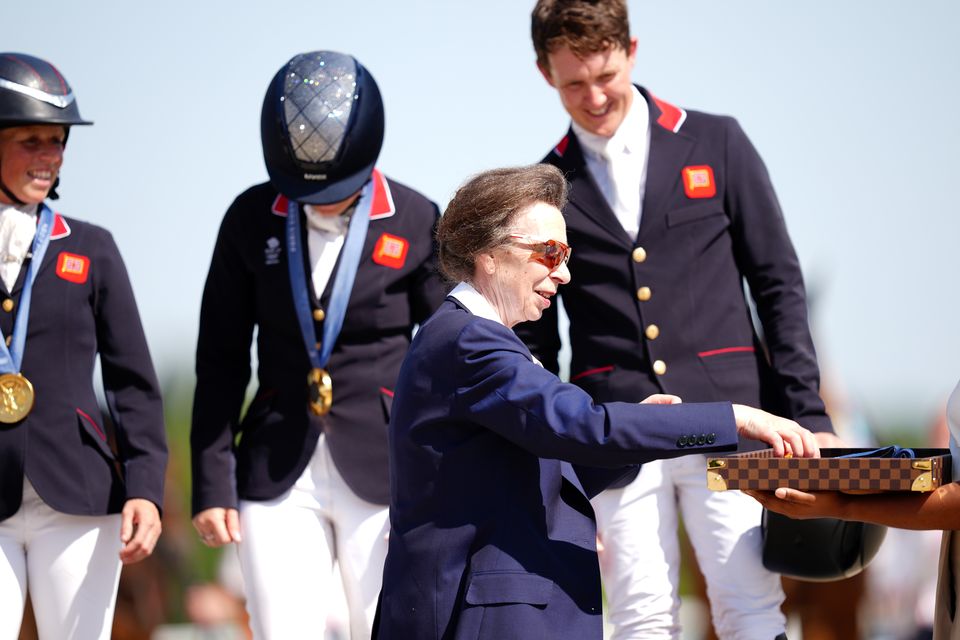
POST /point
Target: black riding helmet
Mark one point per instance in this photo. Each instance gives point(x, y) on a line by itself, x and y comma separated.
point(818, 549)
point(321, 127)
point(33, 91)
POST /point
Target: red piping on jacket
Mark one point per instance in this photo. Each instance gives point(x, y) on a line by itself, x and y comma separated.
point(717, 352)
point(100, 433)
point(590, 372)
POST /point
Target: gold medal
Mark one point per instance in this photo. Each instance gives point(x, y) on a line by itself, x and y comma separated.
point(321, 391)
point(16, 397)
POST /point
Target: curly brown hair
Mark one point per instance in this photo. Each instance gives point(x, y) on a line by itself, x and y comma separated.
point(480, 215)
point(586, 26)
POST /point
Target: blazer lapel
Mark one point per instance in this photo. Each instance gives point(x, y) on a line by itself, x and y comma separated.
point(584, 193)
point(665, 161)
point(61, 229)
point(49, 260)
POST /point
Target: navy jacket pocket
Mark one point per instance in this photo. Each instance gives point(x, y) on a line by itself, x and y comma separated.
point(509, 587)
point(693, 213)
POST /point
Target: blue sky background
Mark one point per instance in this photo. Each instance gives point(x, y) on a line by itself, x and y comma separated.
point(852, 105)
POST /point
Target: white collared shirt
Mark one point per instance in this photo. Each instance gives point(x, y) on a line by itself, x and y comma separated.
point(618, 164)
point(325, 238)
point(479, 306)
point(474, 301)
point(18, 226)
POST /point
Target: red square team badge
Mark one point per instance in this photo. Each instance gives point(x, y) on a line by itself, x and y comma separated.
point(73, 268)
point(391, 251)
point(698, 182)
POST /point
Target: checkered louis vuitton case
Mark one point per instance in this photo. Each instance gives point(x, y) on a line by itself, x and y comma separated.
point(927, 470)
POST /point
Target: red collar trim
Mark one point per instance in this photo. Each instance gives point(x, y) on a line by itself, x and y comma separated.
point(381, 207)
point(671, 117)
point(60, 227)
point(280, 204)
point(561, 147)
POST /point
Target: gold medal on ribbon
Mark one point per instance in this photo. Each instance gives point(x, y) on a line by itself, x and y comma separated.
point(16, 397)
point(321, 391)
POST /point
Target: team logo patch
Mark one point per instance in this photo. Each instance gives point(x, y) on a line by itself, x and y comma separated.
point(271, 253)
point(391, 251)
point(698, 181)
point(73, 268)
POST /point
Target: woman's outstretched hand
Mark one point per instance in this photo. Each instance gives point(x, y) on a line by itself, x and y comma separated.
point(785, 437)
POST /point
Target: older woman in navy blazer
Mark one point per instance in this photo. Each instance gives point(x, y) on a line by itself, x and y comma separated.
point(493, 459)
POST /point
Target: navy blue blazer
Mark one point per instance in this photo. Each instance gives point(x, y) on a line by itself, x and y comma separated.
point(259, 454)
point(82, 306)
point(666, 311)
point(493, 463)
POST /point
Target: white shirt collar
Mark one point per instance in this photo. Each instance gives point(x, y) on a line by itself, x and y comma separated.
point(18, 226)
point(479, 306)
point(326, 223)
point(29, 209)
point(474, 301)
point(630, 137)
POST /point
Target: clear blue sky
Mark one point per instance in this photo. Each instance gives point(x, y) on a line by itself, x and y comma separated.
point(852, 105)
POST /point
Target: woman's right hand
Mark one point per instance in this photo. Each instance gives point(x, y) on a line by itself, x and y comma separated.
point(218, 526)
point(786, 437)
point(801, 505)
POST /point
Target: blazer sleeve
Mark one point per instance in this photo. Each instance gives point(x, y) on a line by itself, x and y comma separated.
point(227, 319)
point(502, 390)
point(766, 258)
point(129, 381)
point(594, 479)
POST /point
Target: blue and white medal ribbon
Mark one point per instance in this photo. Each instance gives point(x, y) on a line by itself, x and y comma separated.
point(319, 382)
point(16, 392)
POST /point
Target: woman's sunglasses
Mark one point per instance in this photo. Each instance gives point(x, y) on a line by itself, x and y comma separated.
point(550, 253)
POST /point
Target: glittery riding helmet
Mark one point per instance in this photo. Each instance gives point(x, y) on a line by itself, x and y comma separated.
point(321, 127)
point(33, 91)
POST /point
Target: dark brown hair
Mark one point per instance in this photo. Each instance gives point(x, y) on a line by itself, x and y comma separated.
point(480, 216)
point(586, 26)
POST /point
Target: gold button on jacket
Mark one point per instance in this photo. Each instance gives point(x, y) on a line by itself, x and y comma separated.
point(659, 367)
point(7, 305)
point(639, 254)
point(319, 315)
point(643, 294)
point(652, 331)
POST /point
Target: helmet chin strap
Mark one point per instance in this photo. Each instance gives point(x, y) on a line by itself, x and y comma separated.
point(52, 194)
point(10, 195)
